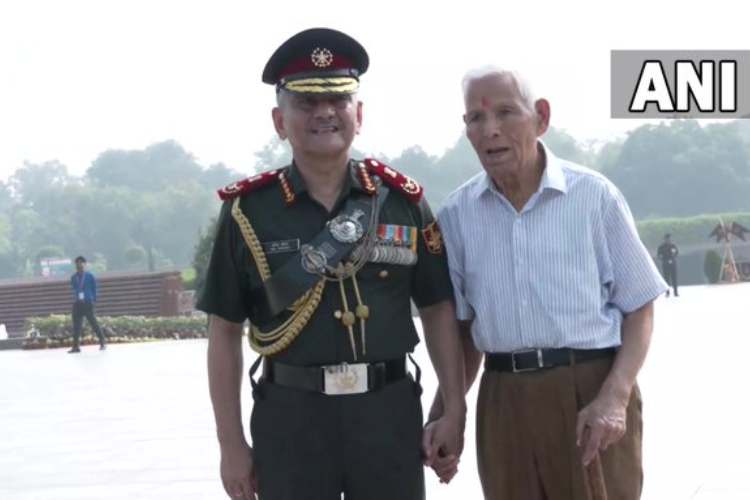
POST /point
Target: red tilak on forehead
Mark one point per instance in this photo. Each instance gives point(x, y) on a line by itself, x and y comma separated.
point(485, 102)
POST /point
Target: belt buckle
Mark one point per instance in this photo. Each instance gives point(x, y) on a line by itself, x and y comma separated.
point(345, 378)
point(539, 360)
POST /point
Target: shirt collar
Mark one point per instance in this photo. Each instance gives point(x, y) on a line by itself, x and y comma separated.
point(553, 176)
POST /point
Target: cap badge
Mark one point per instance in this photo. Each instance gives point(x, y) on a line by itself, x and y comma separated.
point(321, 58)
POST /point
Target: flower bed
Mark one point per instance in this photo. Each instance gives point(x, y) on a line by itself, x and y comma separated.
point(57, 330)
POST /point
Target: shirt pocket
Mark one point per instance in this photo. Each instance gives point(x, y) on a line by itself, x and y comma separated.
point(568, 268)
point(381, 274)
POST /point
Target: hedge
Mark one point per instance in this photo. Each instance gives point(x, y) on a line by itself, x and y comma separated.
point(687, 231)
point(712, 266)
point(57, 330)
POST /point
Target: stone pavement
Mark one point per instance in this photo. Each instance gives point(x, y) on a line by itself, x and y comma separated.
point(135, 422)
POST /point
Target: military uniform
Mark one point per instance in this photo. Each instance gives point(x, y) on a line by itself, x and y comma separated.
point(668, 253)
point(335, 409)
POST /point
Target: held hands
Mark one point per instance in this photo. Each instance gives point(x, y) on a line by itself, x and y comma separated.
point(442, 444)
point(600, 424)
point(238, 471)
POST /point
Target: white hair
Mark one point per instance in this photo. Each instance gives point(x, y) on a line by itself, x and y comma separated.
point(281, 97)
point(521, 83)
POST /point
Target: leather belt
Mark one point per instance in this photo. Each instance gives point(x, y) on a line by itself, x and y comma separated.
point(527, 360)
point(344, 378)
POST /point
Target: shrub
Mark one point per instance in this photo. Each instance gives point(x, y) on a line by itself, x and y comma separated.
point(188, 278)
point(57, 330)
point(712, 266)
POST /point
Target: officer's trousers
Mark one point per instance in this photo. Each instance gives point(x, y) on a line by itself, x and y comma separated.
point(311, 446)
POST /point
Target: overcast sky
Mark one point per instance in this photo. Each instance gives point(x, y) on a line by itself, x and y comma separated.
point(79, 77)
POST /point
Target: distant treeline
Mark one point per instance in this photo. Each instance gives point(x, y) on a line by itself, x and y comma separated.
point(144, 209)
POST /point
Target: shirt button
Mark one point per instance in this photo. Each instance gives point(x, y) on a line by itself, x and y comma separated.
point(383, 274)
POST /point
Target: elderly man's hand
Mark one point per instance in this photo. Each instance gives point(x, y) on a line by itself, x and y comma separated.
point(442, 444)
point(600, 424)
point(445, 467)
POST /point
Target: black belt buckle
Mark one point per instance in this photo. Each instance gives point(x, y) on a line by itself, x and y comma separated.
point(538, 358)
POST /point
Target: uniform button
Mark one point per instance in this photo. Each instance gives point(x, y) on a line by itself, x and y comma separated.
point(383, 274)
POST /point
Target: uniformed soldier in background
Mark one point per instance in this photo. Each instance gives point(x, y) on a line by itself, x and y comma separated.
point(323, 258)
point(668, 253)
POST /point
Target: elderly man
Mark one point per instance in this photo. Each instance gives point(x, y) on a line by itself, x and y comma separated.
point(323, 257)
point(555, 289)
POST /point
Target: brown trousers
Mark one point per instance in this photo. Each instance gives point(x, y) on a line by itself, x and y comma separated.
point(526, 437)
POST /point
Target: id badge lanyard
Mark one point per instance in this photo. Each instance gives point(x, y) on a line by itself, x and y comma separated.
point(81, 281)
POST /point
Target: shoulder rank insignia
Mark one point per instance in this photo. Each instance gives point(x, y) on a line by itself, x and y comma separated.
point(397, 180)
point(250, 184)
point(433, 239)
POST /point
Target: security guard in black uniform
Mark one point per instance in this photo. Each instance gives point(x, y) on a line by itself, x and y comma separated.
point(667, 253)
point(323, 257)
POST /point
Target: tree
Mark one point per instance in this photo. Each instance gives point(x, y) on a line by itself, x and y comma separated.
point(26, 233)
point(7, 254)
point(6, 200)
point(608, 156)
point(742, 129)
point(152, 169)
point(155, 198)
point(97, 263)
point(34, 180)
point(202, 253)
point(564, 145)
point(217, 176)
point(168, 219)
point(683, 169)
point(5, 245)
point(275, 154)
point(458, 164)
point(47, 252)
point(712, 266)
point(135, 256)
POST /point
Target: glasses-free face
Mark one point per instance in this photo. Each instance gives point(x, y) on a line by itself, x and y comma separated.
point(318, 125)
point(501, 126)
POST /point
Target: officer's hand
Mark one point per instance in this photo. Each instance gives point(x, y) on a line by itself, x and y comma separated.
point(238, 472)
point(442, 444)
point(600, 424)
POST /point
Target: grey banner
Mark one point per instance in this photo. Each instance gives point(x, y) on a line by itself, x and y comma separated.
point(680, 84)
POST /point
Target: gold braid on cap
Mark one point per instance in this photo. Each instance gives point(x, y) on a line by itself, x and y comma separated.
point(345, 85)
point(302, 310)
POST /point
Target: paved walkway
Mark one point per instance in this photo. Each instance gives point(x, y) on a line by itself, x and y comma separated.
point(134, 422)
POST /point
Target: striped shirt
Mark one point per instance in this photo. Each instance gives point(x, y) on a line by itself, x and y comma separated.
point(559, 273)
